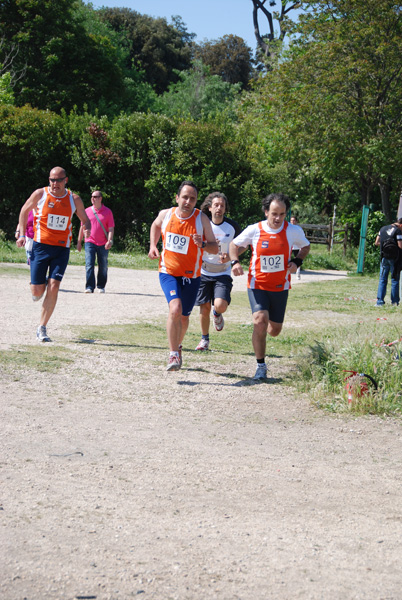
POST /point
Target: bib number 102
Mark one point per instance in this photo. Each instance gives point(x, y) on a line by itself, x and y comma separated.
point(272, 264)
point(177, 243)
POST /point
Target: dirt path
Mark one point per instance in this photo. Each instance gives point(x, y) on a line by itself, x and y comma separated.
point(120, 480)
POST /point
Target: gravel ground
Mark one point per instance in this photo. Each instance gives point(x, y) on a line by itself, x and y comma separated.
point(120, 480)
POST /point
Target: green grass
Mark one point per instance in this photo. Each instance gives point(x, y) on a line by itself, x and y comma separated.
point(42, 358)
point(341, 329)
point(331, 327)
point(9, 253)
point(319, 257)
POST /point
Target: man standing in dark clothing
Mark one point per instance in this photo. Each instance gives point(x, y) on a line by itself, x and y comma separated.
point(389, 239)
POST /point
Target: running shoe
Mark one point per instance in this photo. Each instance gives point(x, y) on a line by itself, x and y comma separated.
point(41, 334)
point(261, 372)
point(219, 321)
point(101, 290)
point(203, 345)
point(88, 291)
point(174, 363)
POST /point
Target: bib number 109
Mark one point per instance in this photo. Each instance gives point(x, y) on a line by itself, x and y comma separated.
point(177, 243)
point(272, 264)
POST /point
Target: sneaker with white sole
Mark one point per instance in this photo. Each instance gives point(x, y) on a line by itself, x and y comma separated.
point(101, 290)
point(219, 321)
point(41, 334)
point(88, 291)
point(174, 363)
point(203, 345)
point(261, 372)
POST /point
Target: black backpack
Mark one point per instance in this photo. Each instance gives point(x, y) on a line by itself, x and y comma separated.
point(390, 249)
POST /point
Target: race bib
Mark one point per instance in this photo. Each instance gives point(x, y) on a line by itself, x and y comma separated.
point(223, 247)
point(272, 264)
point(177, 243)
point(57, 222)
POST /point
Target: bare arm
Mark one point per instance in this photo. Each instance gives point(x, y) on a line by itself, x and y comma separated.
point(155, 234)
point(24, 212)
point(82, 215)
point(292, 266)
point(110, 237)
point(79, 240)
point(211, 246)
point(234, 253)
point(377, 241)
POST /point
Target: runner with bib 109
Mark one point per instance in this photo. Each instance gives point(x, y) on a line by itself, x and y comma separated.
point(270, 270)
point(186, 233)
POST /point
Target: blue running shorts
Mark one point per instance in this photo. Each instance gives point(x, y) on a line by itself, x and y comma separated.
point(180, 287)
point(46, 258)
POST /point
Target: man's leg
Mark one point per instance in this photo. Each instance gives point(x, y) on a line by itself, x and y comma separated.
point(49, 301)
point(102, 255)
point(223, 287)
point(205, 311)
point(259, 338)
point(175, 324)
point(37, 291)
point(274, 329)
point(220, 305)
point(382, 284)
point(395, 290)
point(184, 326)
point(90, 253)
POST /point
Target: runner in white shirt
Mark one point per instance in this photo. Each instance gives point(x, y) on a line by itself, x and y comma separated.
point(216, 280)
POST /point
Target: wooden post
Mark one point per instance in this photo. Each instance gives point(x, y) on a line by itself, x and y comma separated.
point(345, 240)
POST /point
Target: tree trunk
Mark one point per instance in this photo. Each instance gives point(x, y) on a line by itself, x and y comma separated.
point(385, 189)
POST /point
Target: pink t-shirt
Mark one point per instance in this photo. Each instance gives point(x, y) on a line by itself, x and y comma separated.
point(29, 231)
point(105, 215)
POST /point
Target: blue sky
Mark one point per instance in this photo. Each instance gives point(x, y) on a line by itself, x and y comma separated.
point(209, 19)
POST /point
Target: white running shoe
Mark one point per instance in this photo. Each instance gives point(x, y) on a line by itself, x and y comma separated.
point(219, 321)
point(41, 334)
point(101, 290)
point(203, 345)
point(88, 291)
point(174, 363)
point(261, 372)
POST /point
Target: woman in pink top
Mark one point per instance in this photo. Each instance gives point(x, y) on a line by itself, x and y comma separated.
point(29, 234)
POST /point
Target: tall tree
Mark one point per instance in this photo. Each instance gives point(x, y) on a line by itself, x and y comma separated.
point(199, 95)
point(229, 57)
point(269, 43)
point(65, 66)
point(154, 46)
point(337, 98)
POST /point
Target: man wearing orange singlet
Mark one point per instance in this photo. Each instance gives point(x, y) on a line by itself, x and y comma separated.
point(186, 233)
point(54, 207)
point(271, 265)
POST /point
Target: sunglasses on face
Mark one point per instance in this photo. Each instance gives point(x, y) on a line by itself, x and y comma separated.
point(56, 179)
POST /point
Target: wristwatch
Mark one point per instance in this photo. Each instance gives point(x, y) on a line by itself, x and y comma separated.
point(234, 262)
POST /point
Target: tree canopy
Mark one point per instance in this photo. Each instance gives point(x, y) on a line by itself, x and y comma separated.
point(336, 99)
point(229, 57)
point(154, 46)
point(64, 66)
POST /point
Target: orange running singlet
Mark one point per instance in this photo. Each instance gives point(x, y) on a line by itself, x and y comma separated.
point(180, 256)
point(269, 261)
point(52, 223)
